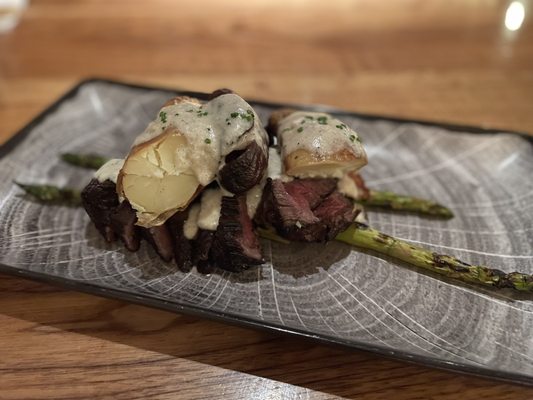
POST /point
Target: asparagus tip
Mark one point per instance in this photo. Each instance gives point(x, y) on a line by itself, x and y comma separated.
point(397, 202)
point(89, 160)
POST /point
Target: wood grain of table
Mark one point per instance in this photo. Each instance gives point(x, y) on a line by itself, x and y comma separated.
point(450, 61)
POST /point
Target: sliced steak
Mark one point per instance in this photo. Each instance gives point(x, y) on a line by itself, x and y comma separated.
point(235, 245)
point(243, 169)
point(307, 210)
point(281, 210)
point(312, 190)
point(114, 219)
point(100, 200)
point(182, 246)
point(337, 213)
point(123, 220)
point(201, 250)
point(161, 240)
point(111, 218)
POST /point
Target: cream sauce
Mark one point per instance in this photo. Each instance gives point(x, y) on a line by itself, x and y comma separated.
point(190, 227)
point(361, 216)
point(253, 198)
point(206, 214)
point(347, 187)
point(275, 166)
point(212, 131)
point(109, 171)
point(210, 209)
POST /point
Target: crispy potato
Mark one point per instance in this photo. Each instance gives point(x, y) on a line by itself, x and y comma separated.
point(304, 164)
point(316, 144)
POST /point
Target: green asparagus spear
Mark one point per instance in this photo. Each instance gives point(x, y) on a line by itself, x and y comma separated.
point(362, 236)
point(398, 202)
point(52, 194)
point(91, 161)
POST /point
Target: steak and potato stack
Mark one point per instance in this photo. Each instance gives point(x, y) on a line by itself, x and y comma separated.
point(201, 177)
point(193, 174)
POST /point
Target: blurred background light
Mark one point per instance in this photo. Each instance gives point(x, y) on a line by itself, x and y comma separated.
point(514, 16)
point(10, 12)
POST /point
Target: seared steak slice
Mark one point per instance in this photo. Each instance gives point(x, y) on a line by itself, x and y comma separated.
point(114, 219)
point(123, 220)
point(316, 232)
point(243, 169)
point(161, 240)
point(100, 200)
point(307, 210)
point(337, 213)
point(235, 246)
point(281, 210)
point(312, 190)
point(182, 246)
point(201, 250)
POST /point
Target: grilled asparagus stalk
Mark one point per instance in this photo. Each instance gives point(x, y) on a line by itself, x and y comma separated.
point(362, 236)
point(52, 194)
point(91, 161)
point(397, 202)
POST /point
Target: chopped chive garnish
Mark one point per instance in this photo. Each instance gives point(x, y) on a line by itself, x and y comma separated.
point(207, 140)
point(322, 120)
point(300, 129)
point(308, 117)
point(248, 115)
point(163, 116)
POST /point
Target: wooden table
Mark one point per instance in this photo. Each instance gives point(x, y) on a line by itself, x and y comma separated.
point(443, 60)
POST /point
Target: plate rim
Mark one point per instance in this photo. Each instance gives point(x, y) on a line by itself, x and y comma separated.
point(182, 308)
